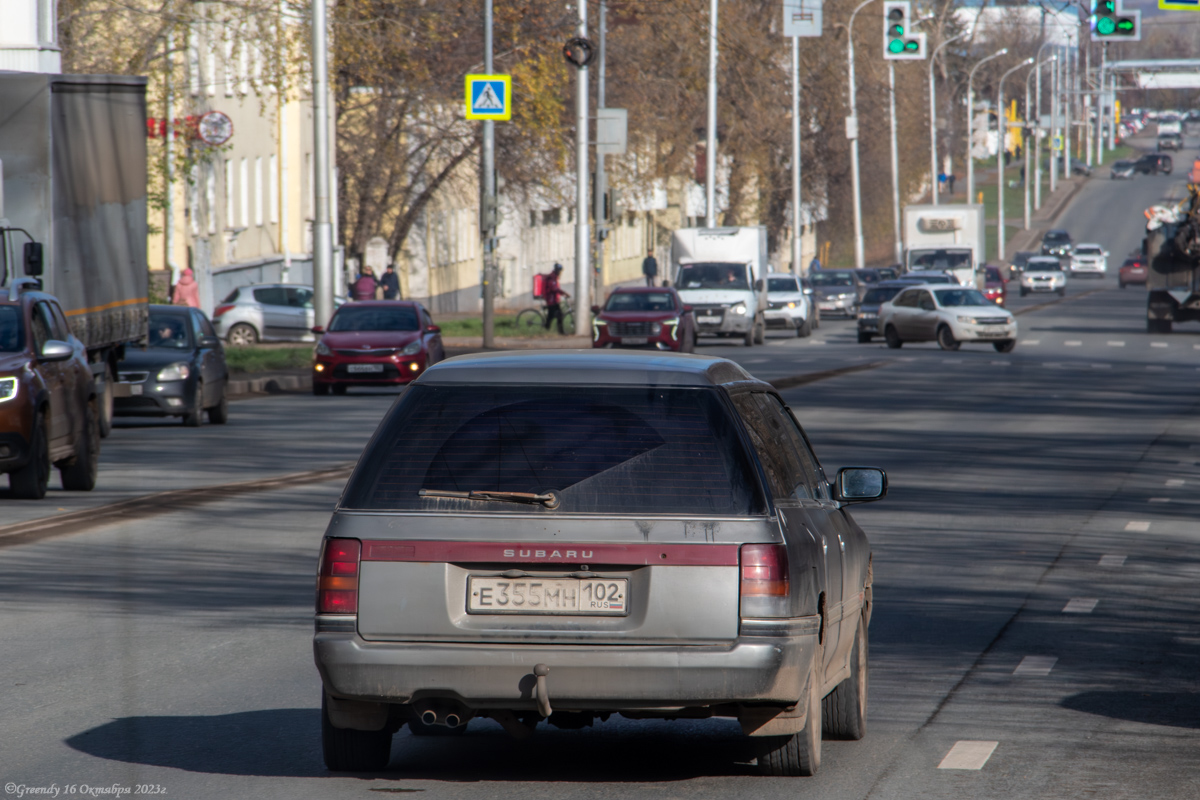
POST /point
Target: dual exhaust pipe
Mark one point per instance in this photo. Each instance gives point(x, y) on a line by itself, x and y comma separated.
point(446, 715)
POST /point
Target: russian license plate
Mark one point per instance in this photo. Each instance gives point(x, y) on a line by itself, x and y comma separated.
point(135, 389)
point(576, 596)
point(364, 368)
point(708, 320)
point(634, 340)
point(992, 330)
point(826, 306)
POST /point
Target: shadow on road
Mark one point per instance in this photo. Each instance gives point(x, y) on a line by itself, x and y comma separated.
point(1175, 709)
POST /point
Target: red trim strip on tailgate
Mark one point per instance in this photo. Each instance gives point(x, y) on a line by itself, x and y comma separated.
point(696, 555)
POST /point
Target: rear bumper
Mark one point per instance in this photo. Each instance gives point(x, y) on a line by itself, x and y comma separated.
point(770, 668)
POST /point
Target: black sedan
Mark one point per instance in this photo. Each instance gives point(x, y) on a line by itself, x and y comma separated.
point(180, 373)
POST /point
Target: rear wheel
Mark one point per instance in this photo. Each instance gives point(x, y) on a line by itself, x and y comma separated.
point(31, 480)
point(348, 750)
point(530, 320)
point(893, 339)
point(1006, 346)
point(946, 340)
point(242, 334)
point(1121, 284)
point(1158, 326)
point(800, 753)
point(845, 709)
point(80, 476)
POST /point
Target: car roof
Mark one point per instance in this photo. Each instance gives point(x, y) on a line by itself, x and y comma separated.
point(385, 303)
point(781, 275)
point(586, 367)
point(161, 307)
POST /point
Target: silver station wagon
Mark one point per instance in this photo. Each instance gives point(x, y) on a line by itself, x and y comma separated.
point(569, 535)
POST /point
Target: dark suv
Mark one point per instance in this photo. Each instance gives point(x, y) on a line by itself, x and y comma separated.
point(1057, 243)
point(48, 406)
point(1154, 163)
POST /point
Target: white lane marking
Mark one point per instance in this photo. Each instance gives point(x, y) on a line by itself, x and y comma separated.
point(1101, 366)
point(1158, 344)
point(1073, 343)
point(1196, 347)
point(1141, 526)
point(1029, 342)
point(1160, 499)
point(1175, 482)
point(1156, 369)
point(1080, 605)
point(1003, 363)
point(968, 755)
point(954, 361)
point(1112, 561)
point(1035, 665)
point(1116, 344)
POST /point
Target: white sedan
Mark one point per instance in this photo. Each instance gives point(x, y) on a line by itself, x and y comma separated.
point(947, 315)
point(787, 305)
point(1089, 258)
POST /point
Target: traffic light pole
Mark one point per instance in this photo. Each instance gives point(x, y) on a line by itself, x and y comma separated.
point(583, 235)
point(797, 267)
point(488, 199)
point(897, 247)
point(1112, 105)
point(600, 191)
point(852, 135)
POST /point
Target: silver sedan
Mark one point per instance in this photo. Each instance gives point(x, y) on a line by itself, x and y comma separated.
point(948, 316)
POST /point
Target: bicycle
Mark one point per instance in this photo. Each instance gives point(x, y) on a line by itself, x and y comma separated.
point(532, 319)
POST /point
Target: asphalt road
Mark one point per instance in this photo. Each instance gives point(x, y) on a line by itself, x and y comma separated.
point(1035, 568)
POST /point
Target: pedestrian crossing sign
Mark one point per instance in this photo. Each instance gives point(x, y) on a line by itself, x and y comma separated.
point(489, 97)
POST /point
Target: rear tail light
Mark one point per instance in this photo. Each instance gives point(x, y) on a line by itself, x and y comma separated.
point(219, 310)
point(764, 586)
point(337, 584)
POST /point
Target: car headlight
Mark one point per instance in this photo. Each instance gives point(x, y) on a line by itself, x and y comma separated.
point(178, 371)
point(8, 389)
point(412, 348)
point(970, 320)
point(672, 323)
point(844, 296)
point(739, 309)
point(323, 349)
point(792, 304)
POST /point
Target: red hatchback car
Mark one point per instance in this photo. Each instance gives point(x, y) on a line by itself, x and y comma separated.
point(1134, 270)
point(995, 286)
point(644, 317)
point(375, 343)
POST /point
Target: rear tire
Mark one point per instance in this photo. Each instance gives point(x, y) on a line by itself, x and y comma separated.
point(81, 475)
point(946, 340)
point(31, 480)
point(894, 341)
point(348, 750)
point(1121, 284)
point(845, 708)
point(800, 753)
point(529, 320)
point(242, 334)
point(1158, 326)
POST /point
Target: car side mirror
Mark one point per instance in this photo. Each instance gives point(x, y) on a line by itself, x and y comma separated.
point(55, 350)
point(860, 485)
point(210, 341)
point(33, 259)
point(432, 329)
point(758, 285)
point(318, 329)
point(595, 309)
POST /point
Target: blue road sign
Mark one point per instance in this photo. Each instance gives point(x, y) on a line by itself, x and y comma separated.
point(489, 97)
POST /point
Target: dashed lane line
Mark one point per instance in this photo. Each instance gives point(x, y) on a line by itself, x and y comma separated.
point(1080, 605)
point(1160, 499)
point(1116, 344)
point(1031, 342)
point(1137, 525)
point(1158, 344)
point(1073, 343)
point(1035, 665)
point(1112, 561)
point(1175, 481)
point(968, 755)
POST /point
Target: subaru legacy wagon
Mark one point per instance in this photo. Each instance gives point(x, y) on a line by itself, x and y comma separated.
point(569, 535)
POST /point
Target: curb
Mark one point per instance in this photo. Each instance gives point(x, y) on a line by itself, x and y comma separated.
point(272, 384)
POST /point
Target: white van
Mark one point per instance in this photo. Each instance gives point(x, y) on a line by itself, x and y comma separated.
point(719, 272)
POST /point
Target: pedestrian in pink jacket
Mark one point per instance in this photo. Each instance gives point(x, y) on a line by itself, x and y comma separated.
point(187, 291)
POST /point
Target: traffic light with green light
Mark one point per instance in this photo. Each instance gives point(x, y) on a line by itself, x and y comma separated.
point(899, 42)
point(1111, 22)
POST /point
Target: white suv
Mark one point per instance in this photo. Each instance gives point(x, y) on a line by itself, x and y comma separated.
point(1043, 274)
point(1089, 258)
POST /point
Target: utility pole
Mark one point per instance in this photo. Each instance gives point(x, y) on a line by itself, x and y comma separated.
point(710, 144)
point(1002, 125)
point(322, 225)
point(852, 135)
point(1112, 105)
point(601, 189)
point(1054, 72)
point(933, 167)
point(489, 214)
point(583, 236)
point(1101, 99)
point(897, 246)
point(797, 267)
point(169, 166)
point(971, 120)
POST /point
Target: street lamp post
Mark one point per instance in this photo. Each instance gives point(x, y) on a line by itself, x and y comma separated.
point(1037, 102)
point(710, 144)
point(933, 168)
point(322, 226)
point(852, 135)
point(1037, 70)
point(1002, 126)
point(970, 120)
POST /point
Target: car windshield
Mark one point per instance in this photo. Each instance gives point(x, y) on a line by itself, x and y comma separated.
point(640, 301)
point(374, 318)
point(1087, 250)
point(868, 276)
point(875, 297)
point(599, 449)
point(993, 274)
point(955, 298)
point(939, 259)
point(827, 279)
point(170, 331)
point(782, 285)
point(12, 332)
point(1048, 265)
point(713, 276)
point(1056, 238)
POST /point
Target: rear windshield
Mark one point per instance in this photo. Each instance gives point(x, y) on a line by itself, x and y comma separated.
point(12, 332)
point(713, 276)
point(640, 301)
point(875, 297)
point(602, 450)
point(374, 318)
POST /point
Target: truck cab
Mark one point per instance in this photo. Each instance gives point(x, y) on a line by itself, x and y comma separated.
point(956, 261)
point(719, 272)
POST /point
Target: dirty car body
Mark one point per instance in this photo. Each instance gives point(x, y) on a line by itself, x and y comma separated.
point(581, 533)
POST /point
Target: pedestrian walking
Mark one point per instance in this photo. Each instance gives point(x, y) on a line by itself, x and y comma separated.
point(650, 268)
point(554, 293)
point(814, 265)
point(187, 291)
point(390, 282)
point(364, 287)
point(950, 182)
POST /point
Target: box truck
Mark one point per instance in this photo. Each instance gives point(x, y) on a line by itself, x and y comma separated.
point(720, 273)
point(947, 238)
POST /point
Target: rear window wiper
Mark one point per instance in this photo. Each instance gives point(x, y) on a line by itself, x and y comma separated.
point(549, 499)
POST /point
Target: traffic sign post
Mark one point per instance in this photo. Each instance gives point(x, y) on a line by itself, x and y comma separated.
point(489, 97)
point(800, 18)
